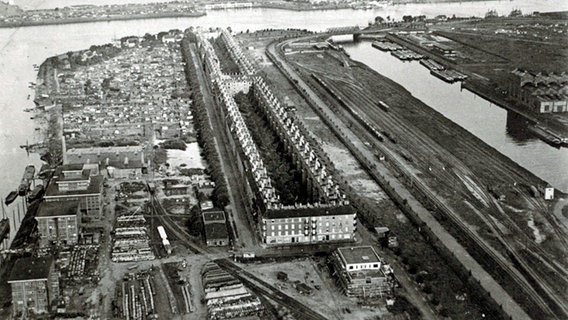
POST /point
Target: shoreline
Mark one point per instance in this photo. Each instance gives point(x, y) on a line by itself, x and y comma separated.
point(203, 12)
point(102, 19)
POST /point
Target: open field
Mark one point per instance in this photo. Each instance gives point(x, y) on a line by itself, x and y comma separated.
point(327, 300)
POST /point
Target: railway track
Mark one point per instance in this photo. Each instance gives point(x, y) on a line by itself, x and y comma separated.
point(456, 220)
point(543, 293)
point(263, 288)
point(362, 104)
point(173, 228)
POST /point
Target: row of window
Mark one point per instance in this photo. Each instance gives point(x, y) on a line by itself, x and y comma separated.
point(293, 232)
point(358, 266)
point(286, 220)
point(294, 239)
point(301, 226)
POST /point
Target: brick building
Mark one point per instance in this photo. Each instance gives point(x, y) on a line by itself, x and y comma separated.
point(80, 183)
point(58, 222)
point(120, 162)
point(540, 92)
point(34, 284)
point(361, 272)
point(309, 224)
point(215, 226)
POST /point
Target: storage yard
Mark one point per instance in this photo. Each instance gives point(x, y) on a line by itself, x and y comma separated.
point(310, 281)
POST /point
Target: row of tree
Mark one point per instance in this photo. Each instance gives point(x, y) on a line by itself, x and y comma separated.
point(286, 178)
point(220, 196)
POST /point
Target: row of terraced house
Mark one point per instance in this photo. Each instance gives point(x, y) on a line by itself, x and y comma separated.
point(329, 217)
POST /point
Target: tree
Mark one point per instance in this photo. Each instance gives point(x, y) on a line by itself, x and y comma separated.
point(379, 20)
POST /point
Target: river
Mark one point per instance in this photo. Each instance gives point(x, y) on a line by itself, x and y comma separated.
point(492, 124)
point(20, 48)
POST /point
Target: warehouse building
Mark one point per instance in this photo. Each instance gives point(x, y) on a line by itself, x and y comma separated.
point(361, 272)
point(80, 183)
point(35, 284)
point(215, 226)
point(58, 223)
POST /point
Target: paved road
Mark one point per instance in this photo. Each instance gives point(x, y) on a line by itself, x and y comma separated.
point(477, 271)
point(240, 209)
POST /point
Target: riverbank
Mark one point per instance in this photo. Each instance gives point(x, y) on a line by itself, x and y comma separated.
point(14, 17)
point(101, 19)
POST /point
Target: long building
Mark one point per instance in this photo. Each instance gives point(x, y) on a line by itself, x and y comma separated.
point(77, 182)
point(329, 217)
point(539, 92)
point(58, 223)
point(34, 284)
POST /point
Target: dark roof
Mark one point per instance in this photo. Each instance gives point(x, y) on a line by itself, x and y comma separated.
point(30, 268)
point(94, 187)
point(58, 208)
point(115, 156)
point(216, 231)
point(308, 212)
point(213, 215)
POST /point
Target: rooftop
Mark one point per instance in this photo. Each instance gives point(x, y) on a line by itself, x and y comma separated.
point(213, 215)
point(30, 268)
point(308, 212)
point(53, 191)
point(115, 156)
point(216, 231)
point(58, 208)
point(354, 255)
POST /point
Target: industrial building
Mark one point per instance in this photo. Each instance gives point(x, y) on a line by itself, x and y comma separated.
point(35, 285)
point(58, 223)
point(120, 162)
point(329, 217)
point(80, 183)
point(361, 272)
point(540, 92)
point(215, 226)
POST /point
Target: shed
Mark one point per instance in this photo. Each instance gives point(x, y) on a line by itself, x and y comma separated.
point(282, 276)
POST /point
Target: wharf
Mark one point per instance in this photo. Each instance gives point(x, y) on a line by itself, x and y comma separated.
point(407, 55)
point(386, 46)
point(449, 76)
point(550, 134)
point(431, 64)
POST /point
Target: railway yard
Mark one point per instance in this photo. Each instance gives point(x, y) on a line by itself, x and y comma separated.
point(468, 233)
point(457, 176)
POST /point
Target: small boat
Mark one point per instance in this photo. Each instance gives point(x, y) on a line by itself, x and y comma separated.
point(36, 193)
point(11, 197)
point(26, 180)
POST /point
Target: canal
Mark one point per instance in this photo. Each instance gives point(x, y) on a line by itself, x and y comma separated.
point(21, 48)
point(496, 126)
